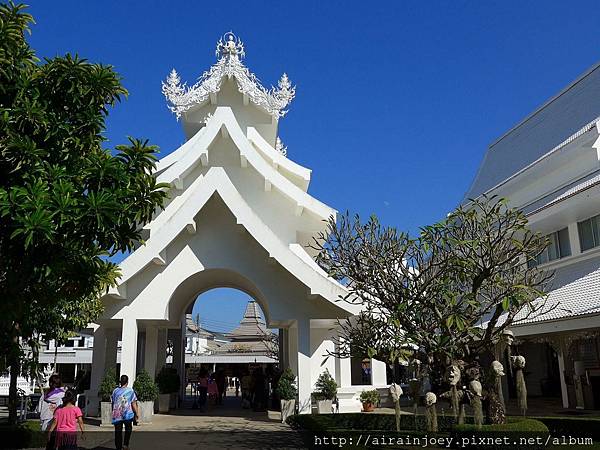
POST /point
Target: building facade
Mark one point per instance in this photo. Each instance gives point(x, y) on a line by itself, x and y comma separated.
point(548, 165)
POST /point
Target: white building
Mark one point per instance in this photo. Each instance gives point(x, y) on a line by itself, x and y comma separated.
point(239, 216)
point(548, 165)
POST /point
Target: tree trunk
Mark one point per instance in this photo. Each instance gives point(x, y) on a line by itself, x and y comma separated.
point(12, 390)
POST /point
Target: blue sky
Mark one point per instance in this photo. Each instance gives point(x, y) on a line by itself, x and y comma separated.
point(396, 101)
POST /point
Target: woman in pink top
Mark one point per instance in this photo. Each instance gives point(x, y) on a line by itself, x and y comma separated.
point(65, 422)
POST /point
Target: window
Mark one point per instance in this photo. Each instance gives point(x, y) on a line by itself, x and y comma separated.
point(558, 247)
point(360, 371)
point(588, 233)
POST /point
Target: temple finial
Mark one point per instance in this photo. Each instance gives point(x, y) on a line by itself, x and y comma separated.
point(230, 45)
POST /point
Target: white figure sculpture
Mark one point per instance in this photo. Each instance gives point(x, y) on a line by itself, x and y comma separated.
point(430, 412)
point(497, 411)
point(475, 390)
point(453, 377)
point(519, 365)
point(396, 392)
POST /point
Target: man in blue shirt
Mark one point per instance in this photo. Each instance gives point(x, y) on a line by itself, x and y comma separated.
point(124, 412)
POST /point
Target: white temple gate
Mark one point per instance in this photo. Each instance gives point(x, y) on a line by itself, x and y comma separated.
point(238, 216)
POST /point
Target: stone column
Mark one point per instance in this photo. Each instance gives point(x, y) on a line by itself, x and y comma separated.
point(112, 339)
point(161, 353)
point(303, 366)
point(98, 369)
point(151, 350)
point(129, 337)
point(561, 353)
point(343, 371)
point(378, 373)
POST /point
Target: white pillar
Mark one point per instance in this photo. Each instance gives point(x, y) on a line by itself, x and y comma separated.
point(303, 366)
point(112, 340)
point(561, 373)
point(161, 353)
point(574, 238)
point(378, 373)
point(98, 360)
point(343, 370)
point(129, 337)
point(151, 350)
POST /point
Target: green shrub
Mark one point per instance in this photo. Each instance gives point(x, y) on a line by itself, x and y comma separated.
point(108, 385)
point(24, 435)
point(572, 426)
point(168, 380)
point(145, 388)
point(286, 386)
point(370, 397)
point(326, 387)
point(513, 424)
point(523, 432)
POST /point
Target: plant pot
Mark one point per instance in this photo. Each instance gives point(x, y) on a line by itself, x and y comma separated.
point(288, 408)
point(324, 406)
point(368, 407)
point(146, 410)
point(164, 402)
point(106, 413)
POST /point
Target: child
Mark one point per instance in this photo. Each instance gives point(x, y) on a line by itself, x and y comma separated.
point(65, 422)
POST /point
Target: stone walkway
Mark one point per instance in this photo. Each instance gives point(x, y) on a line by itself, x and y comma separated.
point(222, 427)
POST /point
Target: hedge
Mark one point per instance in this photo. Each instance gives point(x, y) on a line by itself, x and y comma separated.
point(573, 426)
point(524, 433)
point(363, 421)
point(464, 436)
point(25, 435)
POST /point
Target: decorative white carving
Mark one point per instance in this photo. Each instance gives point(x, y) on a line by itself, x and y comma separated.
point(230, 52)
point(280, 147)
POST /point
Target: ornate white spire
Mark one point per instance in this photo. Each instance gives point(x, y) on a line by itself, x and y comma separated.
point(230, 52)
point(280, 147)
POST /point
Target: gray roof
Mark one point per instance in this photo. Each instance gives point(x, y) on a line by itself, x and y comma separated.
point(576, 292)
point(252, 325)
point(251, 336)
point(564, 193)
point(550, 125)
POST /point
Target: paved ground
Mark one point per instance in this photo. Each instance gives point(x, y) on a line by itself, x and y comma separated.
point(221, 427)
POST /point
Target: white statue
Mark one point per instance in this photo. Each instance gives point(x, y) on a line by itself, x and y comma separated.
point(496, 400)
point(430, 399)
point(396, 392)
point(453, 374)
point(430, 412)
point(476, 393)
point(519, 365)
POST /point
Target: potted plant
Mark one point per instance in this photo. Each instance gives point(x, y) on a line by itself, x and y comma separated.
point(326, 391)
point(146, 391)
point(286, 389)
point(369, 399)
point(108, 385)
point(168, 384)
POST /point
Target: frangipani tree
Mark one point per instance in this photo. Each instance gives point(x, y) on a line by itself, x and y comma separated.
point(450, 292)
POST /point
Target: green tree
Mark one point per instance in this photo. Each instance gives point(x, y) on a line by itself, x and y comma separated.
point(447, 294)
point(66, 203)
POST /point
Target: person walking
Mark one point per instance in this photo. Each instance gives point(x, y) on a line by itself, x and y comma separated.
point(49, 402)
point(124, 412)
point(221, 386)
point(66, 419)
point(203, 388)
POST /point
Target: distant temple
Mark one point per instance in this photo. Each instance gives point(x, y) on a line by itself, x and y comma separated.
point(250, 343)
